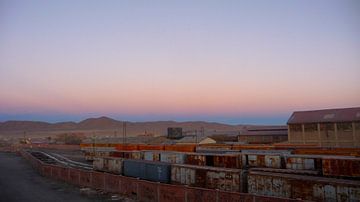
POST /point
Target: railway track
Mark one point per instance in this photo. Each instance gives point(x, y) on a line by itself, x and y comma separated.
point(53, 158)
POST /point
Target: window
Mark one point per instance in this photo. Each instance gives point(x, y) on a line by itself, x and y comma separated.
point(310, 127)
point(295, 128)
point(357, 126)
point(327, 127)
point(344, 126)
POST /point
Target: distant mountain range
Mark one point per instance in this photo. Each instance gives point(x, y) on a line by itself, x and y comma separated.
point(105, 123)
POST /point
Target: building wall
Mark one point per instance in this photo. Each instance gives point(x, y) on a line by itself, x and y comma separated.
point(344, 134)
point(295, 134)
point(262, 138)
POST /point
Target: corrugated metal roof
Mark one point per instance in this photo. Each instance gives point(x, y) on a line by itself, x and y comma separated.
point(326, 115)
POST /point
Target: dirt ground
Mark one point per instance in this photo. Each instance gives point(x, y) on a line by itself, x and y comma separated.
point(20, 182)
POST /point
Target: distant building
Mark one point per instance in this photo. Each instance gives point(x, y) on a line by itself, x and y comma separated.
point(330, 127)
point(195, 140)
point(264, 135)
point(174, 133)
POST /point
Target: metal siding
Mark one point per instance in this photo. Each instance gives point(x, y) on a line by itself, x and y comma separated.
point(98, 164)
point(172, 157)
point(272, 161)
point(208, 177)
point(157, 172)
point(153, 171)
point(134, 169)
point(304, 187)
point(115, 165)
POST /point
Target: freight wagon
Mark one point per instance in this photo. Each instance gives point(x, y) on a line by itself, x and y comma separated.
point(127, 154)
point(108, 164)
point(209, 177)
point(147, 170)
point(343, 166)
point(264, 158)
point(303, 162)
point(214, 159)
point(303, 187)
point(164, 156)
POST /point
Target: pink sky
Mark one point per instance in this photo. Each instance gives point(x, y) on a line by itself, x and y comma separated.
point(181, 59)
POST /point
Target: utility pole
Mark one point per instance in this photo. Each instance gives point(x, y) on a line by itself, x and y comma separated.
point(124, 132)
point(196, 137)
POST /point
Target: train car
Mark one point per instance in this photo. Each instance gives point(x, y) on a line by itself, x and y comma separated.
point(303, 162)
point(230, 160)
point(209, 177)
point(181, 147)
point(108, 164)
point(264, 158)
point(341, 166)
point(151, 155)
point(147, 170)
point(127, 154)
point(303, 187)
point(173, 157)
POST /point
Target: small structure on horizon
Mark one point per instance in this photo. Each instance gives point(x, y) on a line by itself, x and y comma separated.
point(174, 133)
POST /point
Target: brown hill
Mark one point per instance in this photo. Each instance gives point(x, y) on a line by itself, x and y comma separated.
point(108, 126)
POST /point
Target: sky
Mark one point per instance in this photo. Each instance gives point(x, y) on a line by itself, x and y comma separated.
point(236, 62)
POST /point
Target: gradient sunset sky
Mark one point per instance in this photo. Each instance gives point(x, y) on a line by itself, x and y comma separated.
point(227, 61)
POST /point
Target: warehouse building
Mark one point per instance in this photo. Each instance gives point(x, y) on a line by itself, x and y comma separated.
point(329, 128)
point(264, 135)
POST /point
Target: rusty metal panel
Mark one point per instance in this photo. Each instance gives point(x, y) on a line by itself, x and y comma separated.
point(354, 193)
point(318, 192)
point(98, 180)
point(209, 177)
point(256, 160)
point(171, 193)
point(341, 166)
point(252, 160)
point(74, 176)
point(266, 152)
point(98, 163)
point(342, 193)
point(114, 165)
point(330, 193)
point(150, 147)
point(235, 197)
point(226, 181)
point(136, 155)
point(151, 155)
point(147, 191)
point(272, 161)
point(173, 157)
point(228, 161)
point(303, 187)
point(111, 183)
point(128, 186)
point(300, 163)
point(55, 172)
point(181, 148)
point(200, 195)
point(126, 147)
point(195, 159)
point(85, 178)
point(182, 175)
point(64, 174)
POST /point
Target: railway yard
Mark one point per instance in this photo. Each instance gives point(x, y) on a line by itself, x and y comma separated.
point(207, 172)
